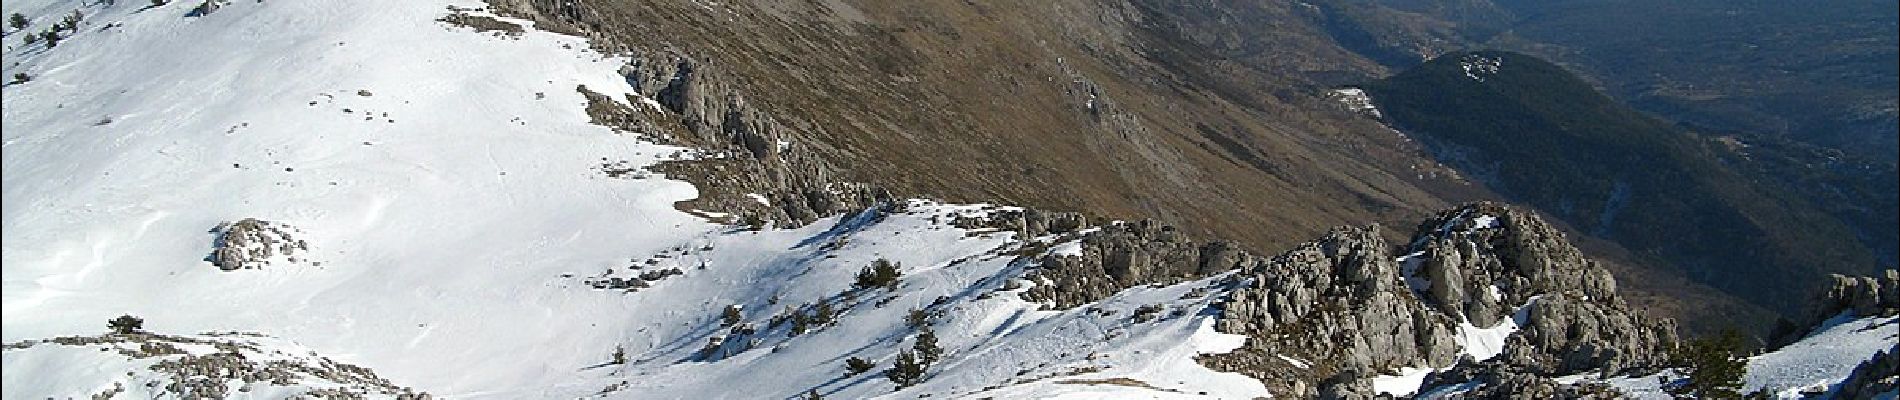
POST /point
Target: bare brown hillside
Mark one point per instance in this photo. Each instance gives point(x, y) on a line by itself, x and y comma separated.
point(1118, 110)
point(1213, 118)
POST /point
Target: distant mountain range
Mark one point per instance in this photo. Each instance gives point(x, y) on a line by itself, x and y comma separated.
point(1709, 205)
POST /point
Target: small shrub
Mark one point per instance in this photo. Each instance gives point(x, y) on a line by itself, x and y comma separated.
point(917, 319)
point(1147, 313)
point(854, 366)
point(881, 273)
point(822, 314)
point(800, 323)
point(156, 3)
point(126, 324)
point(620, 354)
point(732, 315)
point(51, 38)
point(812, 395)
point(21, 77)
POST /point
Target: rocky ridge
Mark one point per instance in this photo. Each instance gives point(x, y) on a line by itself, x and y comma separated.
point(1859, 297)
point(1874, 377)
point(1323, 317)
point(215, 365)
point(1359, 305)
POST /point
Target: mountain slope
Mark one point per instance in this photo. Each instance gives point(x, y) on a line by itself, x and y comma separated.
point(480, 239)
point(281, 111)
point(1186, 113)
point(1815, 75)
point(1538, 134)
point(473, 206)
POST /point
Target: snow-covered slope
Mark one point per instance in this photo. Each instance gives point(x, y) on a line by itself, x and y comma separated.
point(455, 231)
point(213, 365)
point(1824, 357)
point(1815, 364)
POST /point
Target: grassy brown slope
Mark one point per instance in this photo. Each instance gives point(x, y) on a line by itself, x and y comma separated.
point(1119, 110)
point(1209, 117)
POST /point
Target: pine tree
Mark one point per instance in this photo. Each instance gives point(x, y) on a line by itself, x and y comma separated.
point(926, 347)
point(126, 324)
point(881, 273)
point(800, 322)
point(17, 21)
point(51, 38)
point(620, 354)
point(822, 313)
point(906, 371)
point(72, 20)
point(1715, 365)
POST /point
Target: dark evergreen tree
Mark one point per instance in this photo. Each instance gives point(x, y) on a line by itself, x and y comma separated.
point(917, 319)
point(126, 324)
point(906, 371)
point(854, 366)
point(1715, 364)
point(926, 347)
point(881, 273)
point(17, 21)
point(822, 314)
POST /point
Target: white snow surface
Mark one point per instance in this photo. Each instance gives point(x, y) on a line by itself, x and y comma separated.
point(1406, 382)
point(1484, 222)
point(1824, 357)
point(1477, 67)
point(1355, 99)
point(1816, 363)
point(106, 367)
point(457, 232)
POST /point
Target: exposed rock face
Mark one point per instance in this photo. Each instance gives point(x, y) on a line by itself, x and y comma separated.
point(1337, 302)
point(1355, 308)
point(746, 163)
point(1500, 381)
point(213, 365)
point(1483, 260)
point(1329, 313)
point(251, 243)
point(1123, 255)
point(1873, 377)
point(751, 153)
point(1028, 222)
point(1863, 296)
